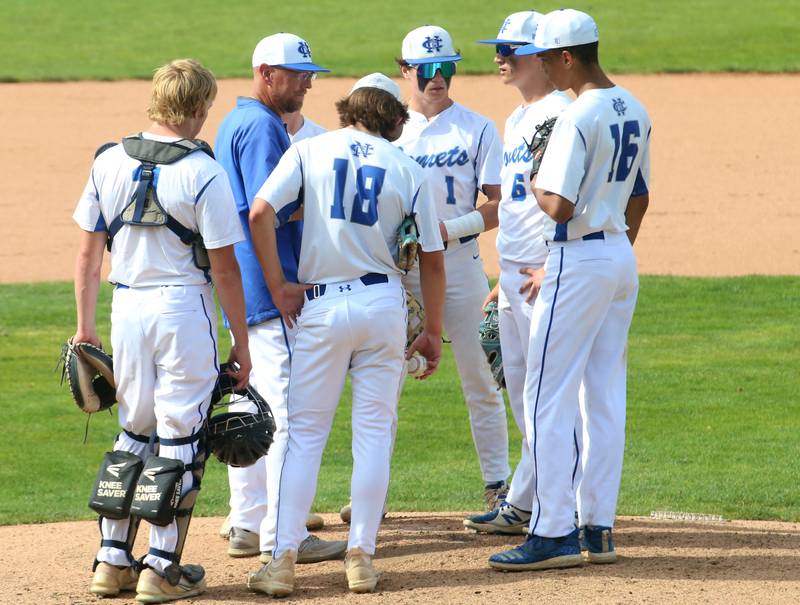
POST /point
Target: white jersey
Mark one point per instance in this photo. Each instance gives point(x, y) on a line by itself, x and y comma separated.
point(356, 189)
point(598, 157)
point(194, 190)
point(519, 238)
point(460, 152)
point(307, 130)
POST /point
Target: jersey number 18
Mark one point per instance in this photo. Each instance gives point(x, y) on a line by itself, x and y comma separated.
point(369, 182)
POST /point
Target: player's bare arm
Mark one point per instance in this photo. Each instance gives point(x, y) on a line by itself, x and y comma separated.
point(558, 208)
point(228, 281)
point(288, 296)
point(432, 282)
point(87, 283)
point(634, 213)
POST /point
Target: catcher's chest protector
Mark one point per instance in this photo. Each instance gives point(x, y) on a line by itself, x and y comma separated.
point(144, 209)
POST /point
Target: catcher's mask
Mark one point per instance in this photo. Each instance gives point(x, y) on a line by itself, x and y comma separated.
point(239, 438)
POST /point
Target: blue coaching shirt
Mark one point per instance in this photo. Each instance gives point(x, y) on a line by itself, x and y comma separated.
point(250, 142)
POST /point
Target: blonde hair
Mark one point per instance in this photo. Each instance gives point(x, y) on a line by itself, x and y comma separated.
point(180, 89)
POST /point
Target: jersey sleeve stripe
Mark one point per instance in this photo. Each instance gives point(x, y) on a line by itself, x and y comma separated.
point(582, 137)
point(287, 211)
point(480, 142)
point(203, 190)
point(414, 201)
point(100, 225)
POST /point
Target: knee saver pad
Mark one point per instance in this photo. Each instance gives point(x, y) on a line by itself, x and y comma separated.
point(158, 490)
point(113, 490)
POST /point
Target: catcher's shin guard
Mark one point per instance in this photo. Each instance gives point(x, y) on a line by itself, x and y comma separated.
point(185, 508)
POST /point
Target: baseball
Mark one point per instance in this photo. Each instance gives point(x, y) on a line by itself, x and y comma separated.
point(417, 365)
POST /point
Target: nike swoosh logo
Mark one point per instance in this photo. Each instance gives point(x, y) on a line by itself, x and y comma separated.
point(475, 257)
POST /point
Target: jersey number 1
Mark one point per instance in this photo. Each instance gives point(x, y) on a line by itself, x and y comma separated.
point(369, 182)
point(625, 150)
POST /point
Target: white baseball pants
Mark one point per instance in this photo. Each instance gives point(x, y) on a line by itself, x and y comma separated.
point(579, 332)
point(271, 345)
point(467, 287)
point(165, 365)
point(361, 329)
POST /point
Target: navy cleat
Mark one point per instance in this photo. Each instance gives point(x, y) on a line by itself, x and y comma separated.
point(599, 544)
point(506, 519)
point(540, 553)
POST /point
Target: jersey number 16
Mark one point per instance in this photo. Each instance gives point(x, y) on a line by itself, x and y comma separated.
point(625, 150)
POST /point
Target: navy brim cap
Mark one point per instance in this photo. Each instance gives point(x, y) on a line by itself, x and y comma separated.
point(433, 60)
point(530, 49)
point(303, 67)
point(499, 41)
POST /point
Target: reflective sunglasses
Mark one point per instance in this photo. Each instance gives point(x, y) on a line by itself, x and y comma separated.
point(428, 70)
point(307, 76)
point(504, 50)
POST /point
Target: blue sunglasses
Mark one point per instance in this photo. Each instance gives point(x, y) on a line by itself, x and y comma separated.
point(504, 50)
point(428, 70)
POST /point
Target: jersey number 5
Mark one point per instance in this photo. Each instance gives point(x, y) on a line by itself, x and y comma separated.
point(369, 182)
point(625, 150)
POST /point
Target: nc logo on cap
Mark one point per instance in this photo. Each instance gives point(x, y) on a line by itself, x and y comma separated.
point(304, 49)
point(505, 25)
point(432, 44)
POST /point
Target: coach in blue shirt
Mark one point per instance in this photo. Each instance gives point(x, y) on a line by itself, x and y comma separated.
point(250, 142)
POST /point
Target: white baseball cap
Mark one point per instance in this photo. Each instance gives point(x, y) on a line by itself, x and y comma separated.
point(428, 44)
point(378, 80)
point(287, 51)
point(518, 28)
point(562, 28)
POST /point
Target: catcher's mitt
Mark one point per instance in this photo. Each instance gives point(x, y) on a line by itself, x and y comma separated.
point(416, 318)
point(538, 143)
point(89, 371)
point(239, 438)
point(489, 330)
point(407, 243)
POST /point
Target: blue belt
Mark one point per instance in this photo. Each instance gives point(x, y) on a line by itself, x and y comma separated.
point(595, 235)
point(368, 279)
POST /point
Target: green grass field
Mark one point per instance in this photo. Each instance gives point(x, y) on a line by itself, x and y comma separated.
point(714, 373)
point(96, 39)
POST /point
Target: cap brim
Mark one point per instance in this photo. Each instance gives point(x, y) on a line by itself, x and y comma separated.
point(302, 67)
point(499, 41)
point(433, 60)
point(530, 49)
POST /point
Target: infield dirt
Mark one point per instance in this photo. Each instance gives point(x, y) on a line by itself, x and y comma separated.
point(724, 154)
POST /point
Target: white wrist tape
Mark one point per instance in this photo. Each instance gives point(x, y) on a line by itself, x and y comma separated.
point(469, 224)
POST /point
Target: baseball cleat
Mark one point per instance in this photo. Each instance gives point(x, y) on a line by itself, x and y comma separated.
point(314, 550)
point(314, 522)
point(109, 580)
point(155, 588)
point(494, 494)
point(276, 578)
point(243, 543)
point(361, 575)
point(540, 553)
point(599, 544)
point(506, 519)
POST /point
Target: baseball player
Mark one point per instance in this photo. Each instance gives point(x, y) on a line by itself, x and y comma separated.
point(460, 153)
point(163, 317)
point(250, 142)
point(593, 186)
point(520, 247)
point(355, 188)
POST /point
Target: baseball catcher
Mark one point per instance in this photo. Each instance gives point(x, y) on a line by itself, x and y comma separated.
point(538, 144)
point(89, 373)
point(489, 330)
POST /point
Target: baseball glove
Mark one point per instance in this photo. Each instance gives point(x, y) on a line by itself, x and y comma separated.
point(416, 318)
point(538, 143)
point(407, 243)
point(489, 330)
point(89, 372)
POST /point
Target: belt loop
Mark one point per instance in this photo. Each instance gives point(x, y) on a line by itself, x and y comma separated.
point(317, 291)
